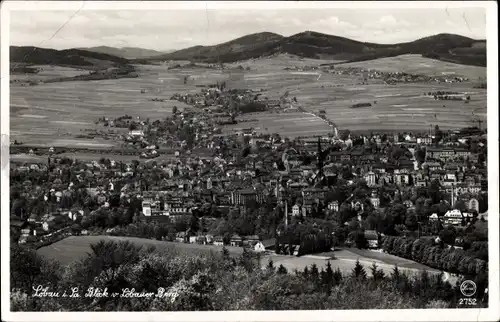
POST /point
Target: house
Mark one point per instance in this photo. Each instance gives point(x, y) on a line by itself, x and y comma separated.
point(33, 219)
point(453, 217)
point(424, 140)
point(193, 239)
point(218, 241)
point(181, 237)
point(408, 203)
point(295, 210)
point(474, 204)
point(333, 205)
point(433, 217)
point(53, 222)
point(209, 239)
point(372, 238)
point(251, 239)
point(370, 179)
point(259, 247)
point(236, 241)
point(136, 133)
point(375, 201)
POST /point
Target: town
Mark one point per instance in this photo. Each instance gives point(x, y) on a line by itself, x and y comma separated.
point(257, 190)
point(256, 160)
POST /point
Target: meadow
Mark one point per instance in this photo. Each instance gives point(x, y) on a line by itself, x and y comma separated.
point(76, 247)
point(48, 72)
point(53, 114)
point(288, 124)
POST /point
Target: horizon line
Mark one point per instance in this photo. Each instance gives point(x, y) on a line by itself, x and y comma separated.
point(174, 50)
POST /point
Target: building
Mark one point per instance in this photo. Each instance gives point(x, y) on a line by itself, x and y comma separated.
point(146, 207)
point(243, 197)
point(433, 217)
point(218, 241)
point(372, 238)
point(424, 140)
point(474, 204)
point(375, 201)
point(259, 247)
point(236, 241)
point(136, 133)
point(453, 217)
point(333, 205)
point(370, 179)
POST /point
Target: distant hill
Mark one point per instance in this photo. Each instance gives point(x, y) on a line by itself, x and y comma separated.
point(445, 47)
point(245, 47)
point(69, 57)
point(126, 52)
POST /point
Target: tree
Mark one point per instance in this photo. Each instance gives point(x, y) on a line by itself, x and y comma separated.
point(314, 272)
point(337, 276)
point(411, 221)
point(448, 235)
point(328, 277)
point(377, 274)
point(460, 205)
point(360, 240)
point(25, 268)
point(358, 271)
point(282, 270)
point(270, 265)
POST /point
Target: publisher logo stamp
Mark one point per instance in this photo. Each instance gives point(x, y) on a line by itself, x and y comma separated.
point(468, 288)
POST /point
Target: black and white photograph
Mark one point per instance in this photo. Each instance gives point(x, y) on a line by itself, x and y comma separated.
point(274, 160)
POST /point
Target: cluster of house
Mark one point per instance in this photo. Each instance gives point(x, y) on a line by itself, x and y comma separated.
point(395, 77)
point(253, 242)
point(40, 228)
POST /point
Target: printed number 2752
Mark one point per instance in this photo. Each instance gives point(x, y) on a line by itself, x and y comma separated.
point(467, 301)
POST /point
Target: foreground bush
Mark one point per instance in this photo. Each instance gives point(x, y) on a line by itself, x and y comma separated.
point(214, 282)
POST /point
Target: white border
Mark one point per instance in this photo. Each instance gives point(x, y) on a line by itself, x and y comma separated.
point(490, 314)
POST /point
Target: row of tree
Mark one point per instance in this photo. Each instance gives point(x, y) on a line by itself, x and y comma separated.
point(439, 256)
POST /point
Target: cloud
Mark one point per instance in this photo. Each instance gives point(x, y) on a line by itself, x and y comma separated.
point(388, 22)
point(168, 29)
point(334, 22)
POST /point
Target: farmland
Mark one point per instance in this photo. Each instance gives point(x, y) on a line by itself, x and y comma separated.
point(53, 114)
point(48, 72)
point(291, 124)
point(416, 64)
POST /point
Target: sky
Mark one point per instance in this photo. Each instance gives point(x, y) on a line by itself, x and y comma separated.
point(166, 30)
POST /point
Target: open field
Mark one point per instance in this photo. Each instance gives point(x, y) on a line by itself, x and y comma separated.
point(74, 248)
point(46, 113)
point(280, 62)
point(416, 64)
point(289, 124)
point(49, 72)
point(22, 158)
point(50, 114)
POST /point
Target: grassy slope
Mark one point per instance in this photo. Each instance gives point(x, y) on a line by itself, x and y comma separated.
point(309, 44)
point(125, 52)
point(68, 57)
point(76, 247)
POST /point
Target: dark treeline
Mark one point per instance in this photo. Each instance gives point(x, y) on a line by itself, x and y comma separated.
point(471, 262)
